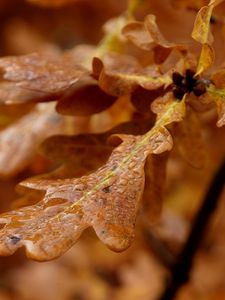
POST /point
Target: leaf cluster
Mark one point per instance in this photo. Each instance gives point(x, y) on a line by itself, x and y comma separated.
point(104, 178)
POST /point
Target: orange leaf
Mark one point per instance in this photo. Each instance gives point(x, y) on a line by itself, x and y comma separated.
point(146, 34)
point(107, 200)
point(73, 151)
point(167, 108)
point(122, 74)
point(84, 98)
point(37, 77)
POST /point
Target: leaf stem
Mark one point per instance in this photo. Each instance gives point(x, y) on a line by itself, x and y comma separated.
point(181, 269)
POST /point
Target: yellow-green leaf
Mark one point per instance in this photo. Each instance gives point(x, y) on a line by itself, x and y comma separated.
point(201, 30)
point(206, 59)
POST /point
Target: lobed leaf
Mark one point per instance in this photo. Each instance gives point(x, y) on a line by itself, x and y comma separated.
point(108, 199)
point(72, 151)
point(121, 75)
point(137, 33)
point(146, 34)
point(202, 34)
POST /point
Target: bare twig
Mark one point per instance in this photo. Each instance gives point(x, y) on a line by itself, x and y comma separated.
point(181, 269)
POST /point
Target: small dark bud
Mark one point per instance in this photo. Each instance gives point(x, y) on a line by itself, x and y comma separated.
point(177, 78)
point(199, 89)
point(179, 92)
point(187, 84)
point(189, 74)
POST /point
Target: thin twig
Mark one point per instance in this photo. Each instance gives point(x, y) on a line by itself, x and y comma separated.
point(183, 265)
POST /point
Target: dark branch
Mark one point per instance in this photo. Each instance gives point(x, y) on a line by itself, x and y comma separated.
point(183, 265)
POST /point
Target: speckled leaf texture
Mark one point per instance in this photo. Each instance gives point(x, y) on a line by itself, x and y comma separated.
point(108, 199)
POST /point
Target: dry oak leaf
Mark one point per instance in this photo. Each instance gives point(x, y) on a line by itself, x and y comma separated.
point(84, 98)
point(73, 152)
point(37, 77)
point(142, 98)
point(202, 34)
point(146, 35)
point(19, 141)
point(108, 200)
point(169, 109)
point(122, 74)
point(201, 31)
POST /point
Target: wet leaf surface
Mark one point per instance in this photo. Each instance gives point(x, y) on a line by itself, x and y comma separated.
point(36, 77)
point(107, 200)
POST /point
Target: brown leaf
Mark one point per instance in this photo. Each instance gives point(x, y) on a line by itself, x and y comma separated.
point(36, 77)
point(20, 141)
point(202, 34)
point(108, 200)
point(84, 98)
point(170, 109)
point(137, 33)
point(146, 34)
point(123, 74)
point(142, 98)
point(73, 152)
point(150, 22)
